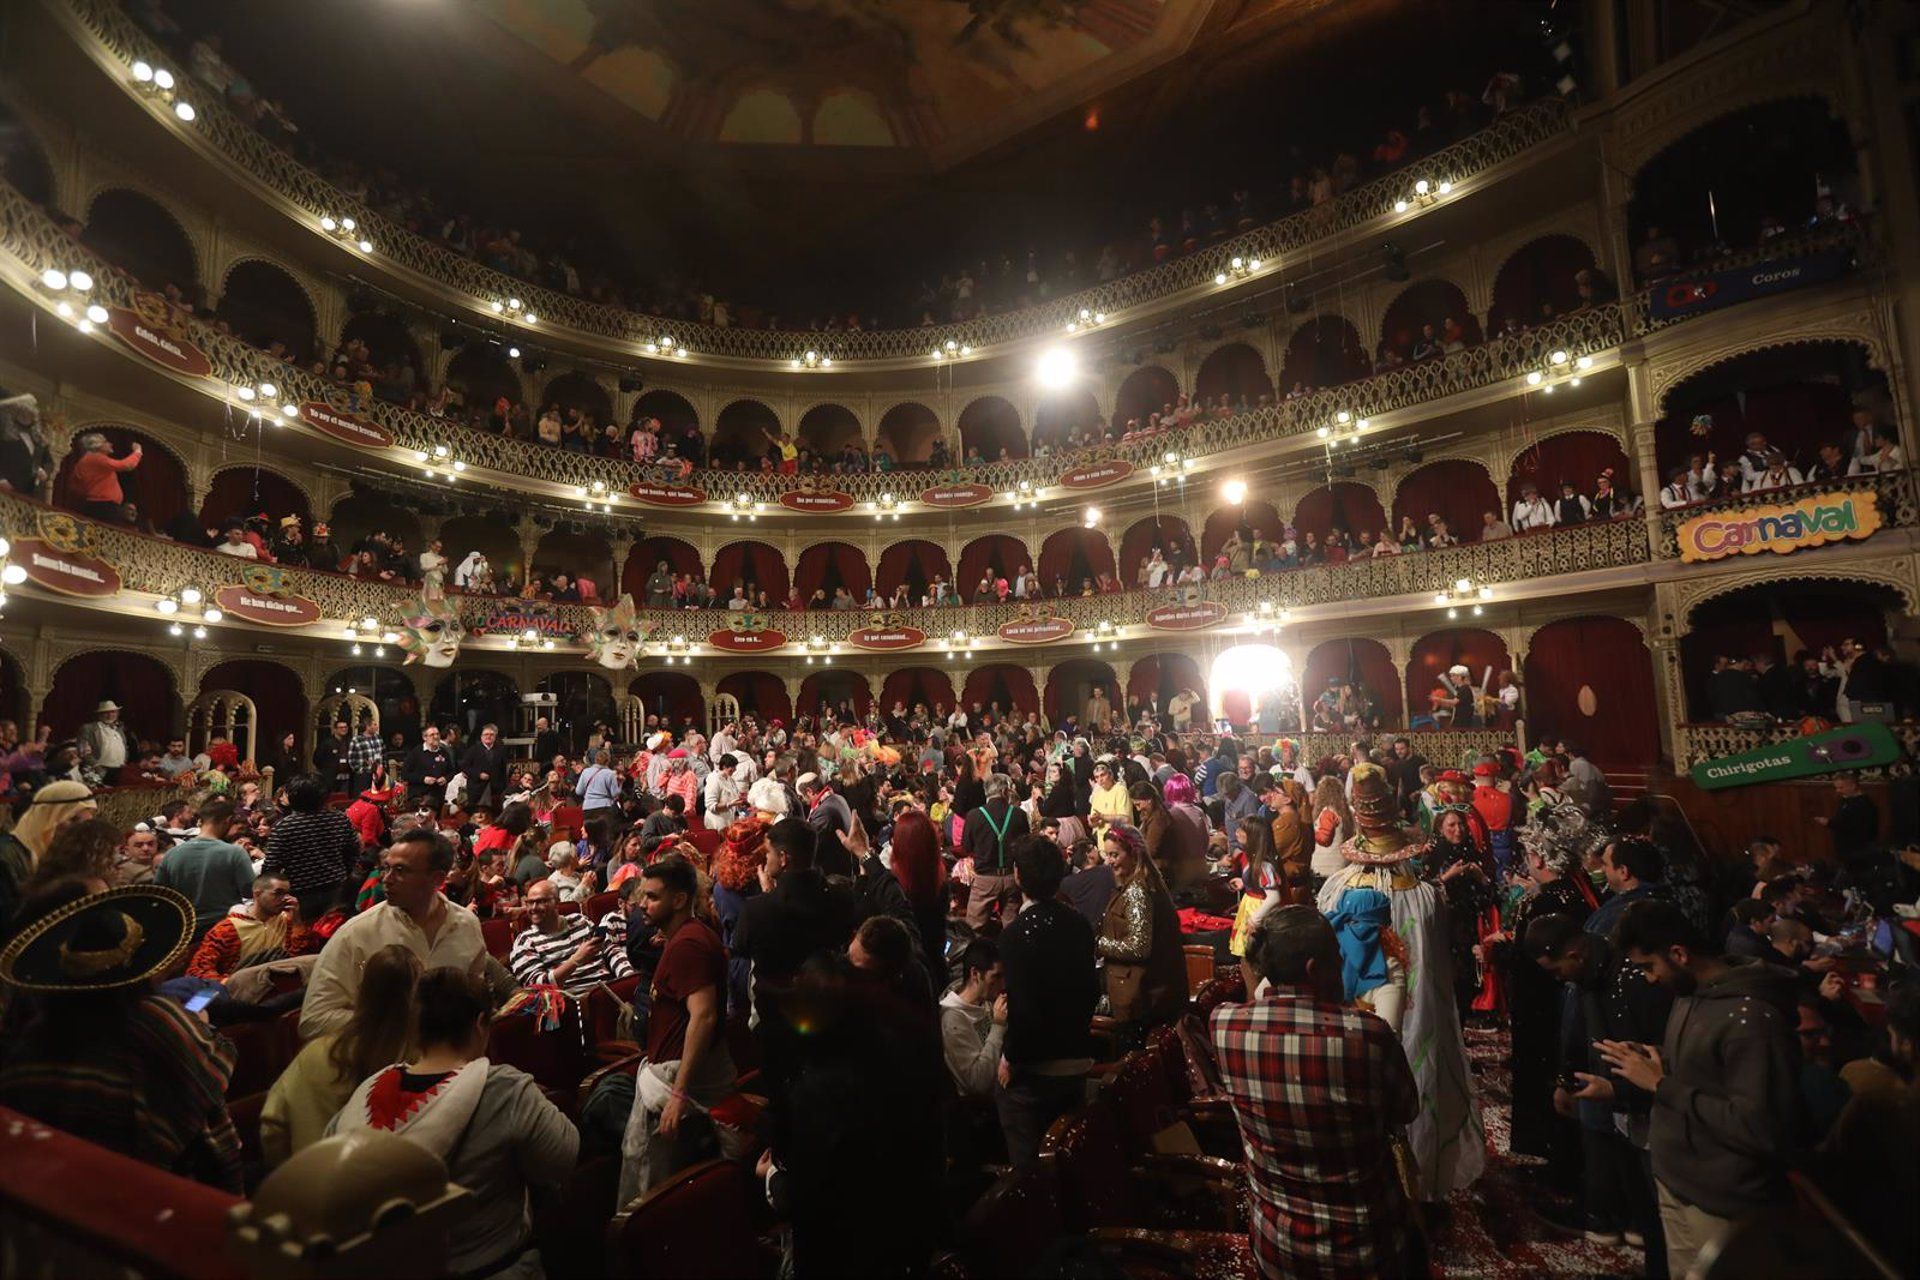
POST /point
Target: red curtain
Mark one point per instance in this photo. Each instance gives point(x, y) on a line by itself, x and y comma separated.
point(245, 491)
point(141, 685)
point(1142, 537)
point(1579, 456)
point(1458, 490)
point(761, 695)
point(1075, 554)
point(1002, 683)
point(646, 557)
point(1324, 352)
point(1069, 684)
point(1146, 391)
point(1542, 272)
point(1796, 418)
point(827, 565)
point(825, 689)
point(1260, 516)
point(1342, 504)
point(1607, 656)
point(670, 694)
point(990, 424)
point(1433, 654)
point(915, 563)
point(914, 685)
point(1001, 553)
point(1235, 370)
point(158, 486)
point(1159, 676)
point(761, 566)
point(1363, 660)
point(578, 555)
point(276, 697)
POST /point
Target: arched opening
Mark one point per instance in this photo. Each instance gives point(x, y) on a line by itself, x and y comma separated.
point(470, 699)
point(583, 557)
point(760, 694)
point(137, 234)
point(1536, 283)
point(1146, 391)
point(673, 697)
point(1155, 678)
point(1167, 533)
point(1078, 557)
point(913, 687)
point(990, 430)
point(23, 161)
point(245, 491)
point(359, 514)
point(1236, 373)
point(997, 555)
point(1589, 681)
point(575, 391)
point(825, 432)
point(1762, 166)
point(391, 350)
point(483, 376)
point(1579, 456)
point(1252, 684)
point(141, 684)
point(1788, 622)
point(157, 488)
point(263, 305)
point(492, 536)
point(391, 693)
point(837, 689)
point(1422, 314)
point(1001, 684)
point(754, 566)
point(676, 413)
point(1066, 418)
point(277, 699)
point(582, 700)
point(1352, 508)
point(915, 563)
point(1071, 683)
point(828, 566)
point(1483, 653)
point(1250, 519)
point(1458, 491)
point(1796, 397)
point(907, 432)
point(645, 559)
point(1324, 352)
point(1363, 663)
point(742, 436)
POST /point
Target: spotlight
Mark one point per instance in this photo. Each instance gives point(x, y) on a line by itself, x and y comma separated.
point(1090, 517)
point(1056, 368)
point(1234, 491)
point(213, 615)
point(186, 113)
point(54, 279)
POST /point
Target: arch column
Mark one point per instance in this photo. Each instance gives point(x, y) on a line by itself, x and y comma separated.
point(1641, 446)
point(528, 533)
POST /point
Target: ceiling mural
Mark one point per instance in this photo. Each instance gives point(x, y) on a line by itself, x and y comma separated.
point(946, 76)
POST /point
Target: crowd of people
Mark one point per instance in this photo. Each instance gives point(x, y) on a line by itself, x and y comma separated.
point(1871, 447)
point(945, 921)
point(1842, 684)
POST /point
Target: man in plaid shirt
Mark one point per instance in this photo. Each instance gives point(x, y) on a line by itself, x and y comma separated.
point(1320, 1089)
point(363, 756)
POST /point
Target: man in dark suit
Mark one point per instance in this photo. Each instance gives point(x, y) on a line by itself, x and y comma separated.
point(428, 766)
point(1047, 954)
point(485, 764)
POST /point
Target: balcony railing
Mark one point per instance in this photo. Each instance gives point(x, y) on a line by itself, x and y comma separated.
point(243, 146)
point(1894, 493)
point(159, 567)
point(1698, 742)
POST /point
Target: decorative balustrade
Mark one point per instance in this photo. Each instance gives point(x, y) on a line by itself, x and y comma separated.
point(1698, 742)
point(158, 567)
point(242, 145)
point(1446, 748)
point(1894, 499)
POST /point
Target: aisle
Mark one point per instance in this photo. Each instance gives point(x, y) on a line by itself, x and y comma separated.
point(1493, 1232)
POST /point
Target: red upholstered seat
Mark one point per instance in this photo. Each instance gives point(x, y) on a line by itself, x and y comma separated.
point(603, 1006)
point(697, 1225)
point(556, 1059)
point(263, 1050)
point(706, 840)
point(599, 904)
point(498, 934)
point(569, 908)
point(1102, 1186)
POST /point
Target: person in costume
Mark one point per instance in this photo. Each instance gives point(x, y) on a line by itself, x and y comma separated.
point(1395, 960)
point(1457, 865)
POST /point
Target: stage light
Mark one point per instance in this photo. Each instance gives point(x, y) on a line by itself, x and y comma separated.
point(1056, 368)
point(97, 313)
point(186, 113)
point(1234, 491)
point(54, 279)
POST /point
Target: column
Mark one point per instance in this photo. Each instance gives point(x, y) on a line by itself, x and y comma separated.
point(1641, 447)
point(529, 532)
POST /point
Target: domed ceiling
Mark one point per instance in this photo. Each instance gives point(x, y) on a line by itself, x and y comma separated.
point(944, 77)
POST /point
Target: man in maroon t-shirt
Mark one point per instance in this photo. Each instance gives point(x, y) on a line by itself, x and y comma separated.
point(687, 1064)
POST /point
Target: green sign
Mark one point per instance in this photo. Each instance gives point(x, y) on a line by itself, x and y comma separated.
point(1860, 746)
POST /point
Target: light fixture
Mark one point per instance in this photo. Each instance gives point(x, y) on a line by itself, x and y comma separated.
point(54, 279)
point(1238, 268)
point(199, 633)
point(96, 313)
point(886, 505)
point(167, 605)
point(176, 630)
point(742, 504)
point(811, 359)
point(13, 575)
point(191, 595)
point(1462, 591)
point(1056, 368)
point(1088, 318)
point(1234, 491)
point(184, 110)
point(289, 411)
point(1090, 517)
point(513, 353)
point(213, 615)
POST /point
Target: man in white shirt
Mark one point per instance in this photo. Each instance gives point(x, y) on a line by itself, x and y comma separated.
point(1532, 511)
point(973, 1020)
point(236, 544)
point(416, 915)
point(104, 739)
point(1679, 490)
point(1754, 462)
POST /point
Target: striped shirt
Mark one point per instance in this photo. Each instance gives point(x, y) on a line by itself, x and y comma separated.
point(315, 852)
point(537, 953)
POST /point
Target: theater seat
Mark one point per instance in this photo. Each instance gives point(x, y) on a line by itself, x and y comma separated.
point(556, 1059)
point(1101, 1186)
point(604, 1005)
point(1200, 966)
point(570, 1226)
point(262, 1052)
point(700, 1224)
point(498, 934)
point(706, 840)
point(599, 904)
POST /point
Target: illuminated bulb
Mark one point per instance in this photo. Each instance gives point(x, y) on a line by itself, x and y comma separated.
point(13, 575)
point(268, 390)
point(288, 411)
point(245, 393)
point(366, 246)
point(1221, 278)
point(191, 595)
point(1323, 433)
point(681, 352)
point(186, 113)
point(1584, 362)
point(328, 224)
point(440, 451)
point(379, 651)
point(513, 353)
point(1533, 378)
point(80, 280)
point(167, 604)
point(1446, 188)
point(1421, 188)
point(1091, 517)
point(529, 317)
point(1234, 491)
point(458, 465)
point(496, 308)
point(199, 633)
point(142, 72)
point(213, 615)
point(176, 630)
point(355, 651)
point(1056, 367)
point(513, 304)
point(348, 224)
point(1558, 357)
point(54, 278)
point(5, 548)
point(97, 313)
point(163, 78)
point(85, 325)
point(1343, 417)
point(1399, 206)
point(64, 311)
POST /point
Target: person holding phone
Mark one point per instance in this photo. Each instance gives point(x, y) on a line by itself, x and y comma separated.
point(563, 951)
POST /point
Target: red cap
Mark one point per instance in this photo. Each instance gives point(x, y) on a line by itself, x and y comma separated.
point(1485, 769)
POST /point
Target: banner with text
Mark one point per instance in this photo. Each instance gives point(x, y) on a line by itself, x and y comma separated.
point(1783, 528)
point(1860, 746)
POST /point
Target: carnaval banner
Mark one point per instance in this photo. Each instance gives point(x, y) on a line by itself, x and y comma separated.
point(1860, 746)
point(1714, 289)
point(1813, 521)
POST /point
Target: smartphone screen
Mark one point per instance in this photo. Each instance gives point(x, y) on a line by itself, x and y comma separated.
point(200, 1000)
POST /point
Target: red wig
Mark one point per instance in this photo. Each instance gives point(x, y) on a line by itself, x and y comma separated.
point(916, 858)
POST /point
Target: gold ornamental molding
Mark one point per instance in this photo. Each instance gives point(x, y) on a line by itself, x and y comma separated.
point(1897, 572)
point(1669, 368)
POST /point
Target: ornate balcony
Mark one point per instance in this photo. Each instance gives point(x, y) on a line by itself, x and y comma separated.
point(1698, 742)
point(409, 252)
point(1896, 498)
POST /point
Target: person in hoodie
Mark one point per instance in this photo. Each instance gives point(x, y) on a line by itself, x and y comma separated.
point(1725, 1080)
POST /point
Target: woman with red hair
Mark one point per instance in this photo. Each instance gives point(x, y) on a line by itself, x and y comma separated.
point(922, 874)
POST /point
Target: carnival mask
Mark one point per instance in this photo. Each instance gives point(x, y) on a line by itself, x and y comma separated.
point(430, 631)
point(614, 639)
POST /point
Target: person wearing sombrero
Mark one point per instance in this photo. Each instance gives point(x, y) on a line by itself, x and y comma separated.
point(104, 1056)
point(1395, 960)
